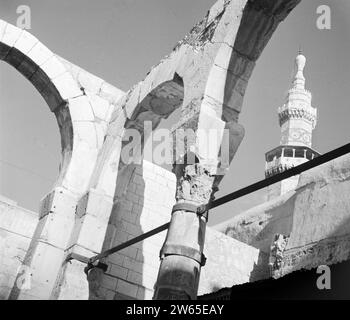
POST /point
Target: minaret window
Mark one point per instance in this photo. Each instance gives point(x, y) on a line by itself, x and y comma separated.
point(309, 155)
point(288, 153)
point(300, 153)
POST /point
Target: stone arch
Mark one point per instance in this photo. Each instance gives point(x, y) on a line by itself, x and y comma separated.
point(63, 96)
point(115, 178)
point(214, 62)
point(157, 104)
point(80, 142)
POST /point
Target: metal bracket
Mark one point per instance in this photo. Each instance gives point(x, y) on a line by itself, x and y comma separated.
point(194, 254)
point(76, 256)
point(79, 257)
point(99, 265)
point(187, 206)
point(203, 211)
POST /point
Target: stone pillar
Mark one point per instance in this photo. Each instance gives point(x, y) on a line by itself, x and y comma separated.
point(92, 216)
point(47, 248)
point(182, 253)
point(204, 146)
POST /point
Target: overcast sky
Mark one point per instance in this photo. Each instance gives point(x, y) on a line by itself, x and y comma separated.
point(119, 40)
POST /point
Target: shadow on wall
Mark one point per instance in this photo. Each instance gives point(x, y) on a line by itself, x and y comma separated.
point(124, 224)
point(143, 200)
point(260, 269)
point(277, 222)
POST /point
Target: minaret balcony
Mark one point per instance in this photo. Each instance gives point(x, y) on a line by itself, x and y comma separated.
point(285, 157)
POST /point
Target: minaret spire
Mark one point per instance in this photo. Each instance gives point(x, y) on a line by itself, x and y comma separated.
point(299, 79)
point(297, 119)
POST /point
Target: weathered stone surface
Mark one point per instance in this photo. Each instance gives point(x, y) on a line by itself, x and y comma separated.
point(230, 262)
point(17, 226)
point(276, 255)
point(328, 251)
point(314, 217)
point(257, 226)
point(44, 256)
point(322, 203)
point(194, 183)
point(137, 209)
point(74, 286)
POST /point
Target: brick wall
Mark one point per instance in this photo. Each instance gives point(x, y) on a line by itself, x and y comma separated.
point(17, 226)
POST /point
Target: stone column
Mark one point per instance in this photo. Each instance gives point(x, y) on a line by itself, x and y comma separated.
point(182, 253)
point(203, 143)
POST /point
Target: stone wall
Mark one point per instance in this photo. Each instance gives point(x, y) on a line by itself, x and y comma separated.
point(230, 262)
point(321, 220)
point(258, 225)
point(146, 197)
point(144, 204)
point(17, 226)
point(145, 200)
point(314, 220)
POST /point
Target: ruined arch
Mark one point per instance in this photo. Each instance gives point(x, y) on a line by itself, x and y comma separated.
point(63, 96)
point(114, 177)
point(214, 62)
point(158, 103)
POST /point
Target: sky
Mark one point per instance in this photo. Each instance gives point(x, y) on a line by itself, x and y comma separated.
point(120, 40)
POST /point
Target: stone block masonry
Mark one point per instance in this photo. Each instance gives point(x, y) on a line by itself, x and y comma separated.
point(17, 227)
point(132, 272)
point(314, 220)
point(144, 204)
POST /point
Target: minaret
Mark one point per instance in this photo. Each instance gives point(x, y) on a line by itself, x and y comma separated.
point(297, 119)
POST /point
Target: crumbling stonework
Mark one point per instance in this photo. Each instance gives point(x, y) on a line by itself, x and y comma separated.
point(276, 255)
point(258, 225)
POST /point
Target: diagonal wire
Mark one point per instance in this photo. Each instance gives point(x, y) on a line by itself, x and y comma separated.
point(329, 156)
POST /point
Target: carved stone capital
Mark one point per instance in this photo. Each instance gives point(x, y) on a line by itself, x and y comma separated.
point(194, 183)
